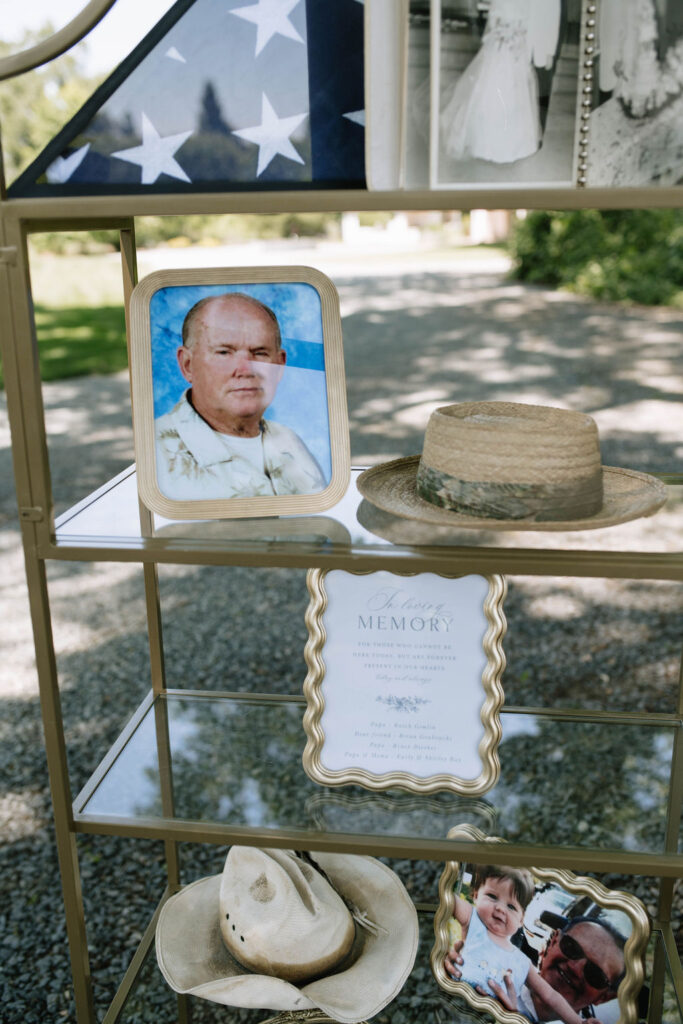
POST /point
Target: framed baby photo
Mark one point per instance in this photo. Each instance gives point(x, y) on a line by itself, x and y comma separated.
point(239, 399)
point(537, 944)
point(404, 688)
point(505, 93)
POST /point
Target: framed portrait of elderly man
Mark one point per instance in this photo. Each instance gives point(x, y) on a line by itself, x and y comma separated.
point(238, 390)
point(537, 944)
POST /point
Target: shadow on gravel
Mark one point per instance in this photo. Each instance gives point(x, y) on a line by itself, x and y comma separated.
point(566, 646)
point(412, 342)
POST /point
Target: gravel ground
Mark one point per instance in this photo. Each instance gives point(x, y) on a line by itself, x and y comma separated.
point(412, 341)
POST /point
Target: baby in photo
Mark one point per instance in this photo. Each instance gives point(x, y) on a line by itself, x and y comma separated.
point(500, 897)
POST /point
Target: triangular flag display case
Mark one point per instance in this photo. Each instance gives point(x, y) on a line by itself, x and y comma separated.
point(276, 106)
point(218, 97)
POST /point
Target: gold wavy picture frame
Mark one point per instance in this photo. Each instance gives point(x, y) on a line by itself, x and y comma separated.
point(492, 701)
point(576, 885)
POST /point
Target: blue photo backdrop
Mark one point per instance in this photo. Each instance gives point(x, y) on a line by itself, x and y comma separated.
point(301, 398)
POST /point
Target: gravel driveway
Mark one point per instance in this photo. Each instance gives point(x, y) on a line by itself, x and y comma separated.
point(412, 341)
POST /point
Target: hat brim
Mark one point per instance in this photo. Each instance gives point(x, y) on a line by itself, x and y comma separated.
point(627, 495)
point(194, 960)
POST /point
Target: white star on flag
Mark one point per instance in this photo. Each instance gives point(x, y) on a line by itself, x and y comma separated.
point(155, 155)
point(357, 116)
point(272, 135)
point(61, 169)
point(271, 17)
point(174, 54)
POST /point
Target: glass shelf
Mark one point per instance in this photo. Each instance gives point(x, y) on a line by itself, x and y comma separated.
point(106, 525)
point(233, 763)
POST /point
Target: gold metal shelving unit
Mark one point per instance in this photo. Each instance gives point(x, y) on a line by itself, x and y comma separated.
point(109, 525)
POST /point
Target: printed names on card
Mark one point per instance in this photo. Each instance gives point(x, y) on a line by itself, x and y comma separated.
point(404, 660)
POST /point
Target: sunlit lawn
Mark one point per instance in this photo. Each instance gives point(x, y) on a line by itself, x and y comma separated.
point(79, 314)
point(77, 340)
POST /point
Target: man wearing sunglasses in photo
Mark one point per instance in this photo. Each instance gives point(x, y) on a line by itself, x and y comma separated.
point(583, 960)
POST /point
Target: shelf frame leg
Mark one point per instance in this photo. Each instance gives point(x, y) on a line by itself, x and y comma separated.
point(61, 790)
point(34, 497)
point(129, 269)
point(665, 950)
point(655, 1008)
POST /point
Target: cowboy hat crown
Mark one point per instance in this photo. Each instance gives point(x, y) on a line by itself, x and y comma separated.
point(281, 917)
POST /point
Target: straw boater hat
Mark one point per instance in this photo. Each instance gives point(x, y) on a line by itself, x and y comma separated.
point(282, 931)
point(505, 466)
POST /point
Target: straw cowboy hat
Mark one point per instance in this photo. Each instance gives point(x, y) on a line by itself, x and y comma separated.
point(283, 931)
point(506, 466)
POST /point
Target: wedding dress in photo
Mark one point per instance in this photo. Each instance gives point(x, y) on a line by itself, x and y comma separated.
point(630, 64)
point(636, 136)
point(493, 111)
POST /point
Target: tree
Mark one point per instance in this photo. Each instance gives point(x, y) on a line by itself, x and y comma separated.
point(34, 106)
point(627, 255)
point(211, 116)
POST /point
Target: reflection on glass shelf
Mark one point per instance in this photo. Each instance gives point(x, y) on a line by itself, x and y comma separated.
point(111, 514)
point(238, 762)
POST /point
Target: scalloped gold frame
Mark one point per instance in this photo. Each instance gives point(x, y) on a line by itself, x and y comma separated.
point(609, 898)
point(490, 711)
point(143, 396)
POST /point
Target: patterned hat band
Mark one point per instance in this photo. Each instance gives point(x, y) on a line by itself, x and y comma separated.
point(505, 461)
point(541, 503)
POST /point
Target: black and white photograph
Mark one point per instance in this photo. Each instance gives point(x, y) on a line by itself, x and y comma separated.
point(635, 128)
point(416, 131)
point(504, 91)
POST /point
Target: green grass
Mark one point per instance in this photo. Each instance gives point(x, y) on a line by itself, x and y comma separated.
point(80, 322)
point(76, 280)
point(78, 340)
point(79, 314)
